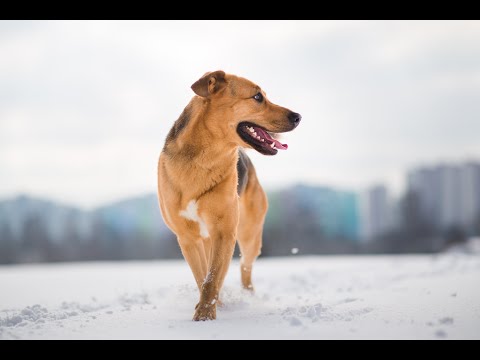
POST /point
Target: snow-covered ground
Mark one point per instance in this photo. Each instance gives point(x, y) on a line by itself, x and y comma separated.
point(406, 297)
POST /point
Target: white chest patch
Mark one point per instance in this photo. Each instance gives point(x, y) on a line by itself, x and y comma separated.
point(191, 213)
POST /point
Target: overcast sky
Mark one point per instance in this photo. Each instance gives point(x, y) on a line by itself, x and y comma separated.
point(85, 106)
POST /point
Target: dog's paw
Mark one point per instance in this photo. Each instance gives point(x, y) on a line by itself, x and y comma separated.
point(205, 312)
point(249, 288)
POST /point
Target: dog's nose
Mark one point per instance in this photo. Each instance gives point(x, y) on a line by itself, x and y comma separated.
point(294, 118)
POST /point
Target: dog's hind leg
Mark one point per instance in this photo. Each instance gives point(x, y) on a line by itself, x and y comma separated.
point(253, 208)
point(250, 243)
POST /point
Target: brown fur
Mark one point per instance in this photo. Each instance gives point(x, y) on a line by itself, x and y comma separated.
point(200, 162)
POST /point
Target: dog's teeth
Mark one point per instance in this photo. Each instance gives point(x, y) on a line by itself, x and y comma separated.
point(272, 145)
point(251, 129)
point(262, 140)
point(259, 138)
point(254, 134)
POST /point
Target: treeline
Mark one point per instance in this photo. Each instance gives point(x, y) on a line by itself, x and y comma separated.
point(104, 242)
point(292, 226)
point(298, 227)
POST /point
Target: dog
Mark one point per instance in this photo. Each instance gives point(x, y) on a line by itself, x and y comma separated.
point(208, 190)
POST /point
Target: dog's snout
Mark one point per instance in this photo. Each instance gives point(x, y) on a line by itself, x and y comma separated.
point(294, 118)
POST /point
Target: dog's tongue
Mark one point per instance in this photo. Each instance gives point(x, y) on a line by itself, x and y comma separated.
point(267, 136)
point(280, 146)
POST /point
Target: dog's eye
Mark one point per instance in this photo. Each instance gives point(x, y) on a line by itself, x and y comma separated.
point(258, 97)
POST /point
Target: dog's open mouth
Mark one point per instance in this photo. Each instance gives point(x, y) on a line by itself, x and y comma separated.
point(260, 139)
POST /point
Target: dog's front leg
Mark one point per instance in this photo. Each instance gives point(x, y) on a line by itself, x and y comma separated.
point(223, 231)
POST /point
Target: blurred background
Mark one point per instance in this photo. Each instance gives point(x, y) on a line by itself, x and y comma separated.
point(386, 160)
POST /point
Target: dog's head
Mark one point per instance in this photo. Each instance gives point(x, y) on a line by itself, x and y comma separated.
point(244, 113)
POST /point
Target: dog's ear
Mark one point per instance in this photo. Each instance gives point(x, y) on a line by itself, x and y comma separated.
point(210, 83)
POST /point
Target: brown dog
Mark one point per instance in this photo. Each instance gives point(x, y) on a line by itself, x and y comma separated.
point(208, 190)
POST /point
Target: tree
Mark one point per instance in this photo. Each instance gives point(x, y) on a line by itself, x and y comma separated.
point(35, 240)
point(8, 249)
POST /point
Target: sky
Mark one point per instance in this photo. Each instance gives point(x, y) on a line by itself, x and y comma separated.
point(85, 106)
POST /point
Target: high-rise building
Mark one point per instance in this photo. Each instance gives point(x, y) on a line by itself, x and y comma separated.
point(425, 183)
point(449, 195)
point(375, 212)
point(334, 211)
point(470, 194)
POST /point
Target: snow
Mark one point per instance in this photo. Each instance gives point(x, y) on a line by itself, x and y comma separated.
point(374, 297)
